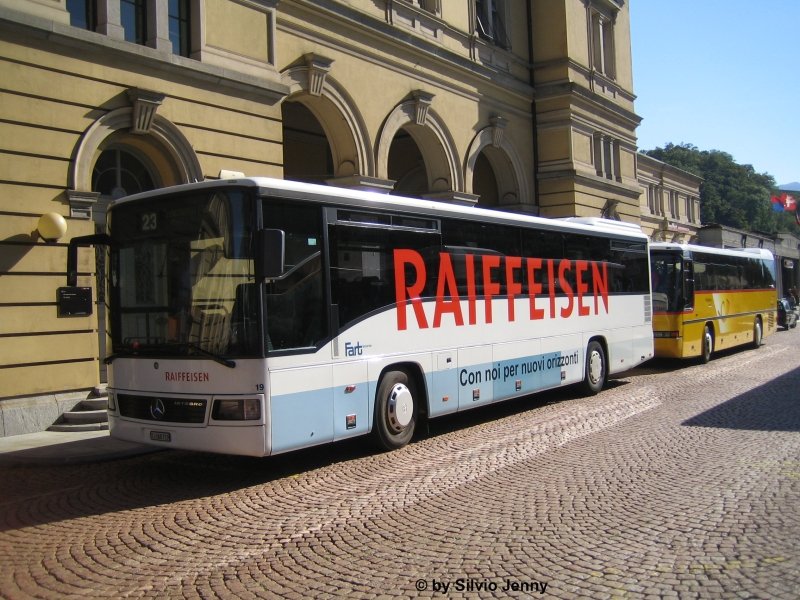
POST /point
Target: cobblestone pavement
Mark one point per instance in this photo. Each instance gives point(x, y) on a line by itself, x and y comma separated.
point(677, 481)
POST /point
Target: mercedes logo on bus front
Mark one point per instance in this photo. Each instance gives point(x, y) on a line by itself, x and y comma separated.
point(157, 409)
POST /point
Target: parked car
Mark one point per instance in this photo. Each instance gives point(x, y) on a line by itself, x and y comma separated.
point(787, 318)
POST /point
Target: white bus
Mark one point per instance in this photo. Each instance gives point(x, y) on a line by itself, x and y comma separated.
point(258, 316)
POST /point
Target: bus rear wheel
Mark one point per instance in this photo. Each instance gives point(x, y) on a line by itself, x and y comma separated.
point(596, 369)
point(707, 345)
point(395, 411)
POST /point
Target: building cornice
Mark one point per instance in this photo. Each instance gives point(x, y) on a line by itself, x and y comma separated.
point(591, 75)
point(167, 64)
point(387, 33)
point(587, 180)
point(659, 168)
point(577, 93)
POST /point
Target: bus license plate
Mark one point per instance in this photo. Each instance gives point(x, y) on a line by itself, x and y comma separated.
point(160, 436)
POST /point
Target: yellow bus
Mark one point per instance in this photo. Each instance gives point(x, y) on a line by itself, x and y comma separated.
point(708, 299)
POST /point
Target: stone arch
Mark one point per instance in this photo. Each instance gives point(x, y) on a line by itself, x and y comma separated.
point(311, 85)
point(431, 136)
point(505, 161)
point(164, 144)
point(159, 142)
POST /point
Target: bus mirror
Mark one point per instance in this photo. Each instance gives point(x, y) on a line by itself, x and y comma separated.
point(72, 253)
point(270, 249)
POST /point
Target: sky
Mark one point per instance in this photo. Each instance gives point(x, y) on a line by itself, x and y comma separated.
point(720, 75)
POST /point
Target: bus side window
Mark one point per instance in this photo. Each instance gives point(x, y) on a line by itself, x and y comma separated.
point(543, 245)
point(362, 267)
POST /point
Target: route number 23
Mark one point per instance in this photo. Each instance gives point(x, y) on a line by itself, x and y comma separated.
point(149, 221)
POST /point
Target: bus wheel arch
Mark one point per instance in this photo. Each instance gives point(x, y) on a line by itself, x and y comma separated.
point(596, 367)
point(707, 343)
point(758, 332)
point(400, 401)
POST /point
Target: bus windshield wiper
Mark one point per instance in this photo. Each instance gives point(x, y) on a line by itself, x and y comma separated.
point(192, 345)
point(216, 357)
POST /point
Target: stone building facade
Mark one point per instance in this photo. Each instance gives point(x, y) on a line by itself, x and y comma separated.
point(519, 105)
point(670, 201)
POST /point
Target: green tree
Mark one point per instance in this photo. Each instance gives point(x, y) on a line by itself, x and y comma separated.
point(731, 194)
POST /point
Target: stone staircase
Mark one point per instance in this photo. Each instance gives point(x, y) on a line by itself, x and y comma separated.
point(88, 415)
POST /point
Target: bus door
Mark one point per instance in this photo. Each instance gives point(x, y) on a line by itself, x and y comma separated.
point(688, 285)
point(361, 247)
point(296, 318)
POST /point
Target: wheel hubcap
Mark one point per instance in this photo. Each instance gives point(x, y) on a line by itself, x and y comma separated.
point(400, 408)
point(595, 367)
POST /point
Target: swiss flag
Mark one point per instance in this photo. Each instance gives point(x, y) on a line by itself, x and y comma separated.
point(784, 202)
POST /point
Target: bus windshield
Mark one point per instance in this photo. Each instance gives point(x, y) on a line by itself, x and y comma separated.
point(181, 276)
point(666, 270)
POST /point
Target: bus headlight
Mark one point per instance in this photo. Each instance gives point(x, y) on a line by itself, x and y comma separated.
point(112, 401)
point(245, 409)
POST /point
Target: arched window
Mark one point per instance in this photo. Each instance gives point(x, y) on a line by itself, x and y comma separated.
point(119, 173)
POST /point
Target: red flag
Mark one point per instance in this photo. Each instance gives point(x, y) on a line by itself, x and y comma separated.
point(789, 203)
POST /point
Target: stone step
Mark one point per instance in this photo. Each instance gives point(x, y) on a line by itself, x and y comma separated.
point(90, 414)
point(78, 427)
point(82, 417)
point(94, 404)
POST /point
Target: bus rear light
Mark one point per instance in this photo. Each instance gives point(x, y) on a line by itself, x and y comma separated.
point(666, 334)
point(247, 409)
point(112, 401)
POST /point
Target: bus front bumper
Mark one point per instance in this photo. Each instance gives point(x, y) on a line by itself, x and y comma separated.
point(240, 440)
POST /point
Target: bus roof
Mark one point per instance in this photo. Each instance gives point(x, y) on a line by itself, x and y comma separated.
point(688, 249)
point(377, 200)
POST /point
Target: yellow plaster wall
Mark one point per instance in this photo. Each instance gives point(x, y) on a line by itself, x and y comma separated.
point(237, 28)
point(38, 379)
point(51, 97)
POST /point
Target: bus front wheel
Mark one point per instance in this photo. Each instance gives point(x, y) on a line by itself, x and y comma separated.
point(708, 345)
point(758, 334)
point(395, 411)
point(596, 369)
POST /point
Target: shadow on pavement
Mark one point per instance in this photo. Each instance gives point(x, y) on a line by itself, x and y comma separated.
point(32, 495)
point(37, 494)
point(774, 406)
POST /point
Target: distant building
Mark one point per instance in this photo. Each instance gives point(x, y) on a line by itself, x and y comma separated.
point(722, 236)
point(787, 251)
point(670, 201)
point(787, 247)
